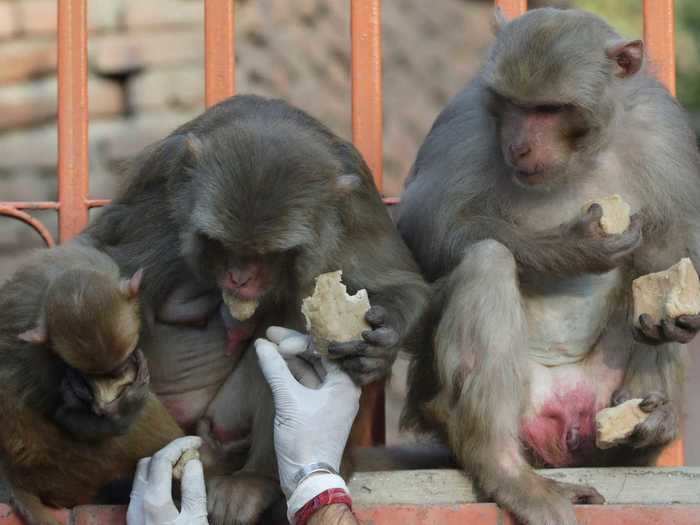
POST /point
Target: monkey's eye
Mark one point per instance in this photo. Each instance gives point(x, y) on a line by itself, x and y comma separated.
point(549, 109)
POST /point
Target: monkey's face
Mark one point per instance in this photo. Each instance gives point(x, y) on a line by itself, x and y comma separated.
point(539, 142)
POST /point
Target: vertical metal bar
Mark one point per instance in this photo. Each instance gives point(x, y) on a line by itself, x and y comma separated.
point(72, 118)
point(365, 29)
point(220, 61)
point(659, 38)
point(512, 8)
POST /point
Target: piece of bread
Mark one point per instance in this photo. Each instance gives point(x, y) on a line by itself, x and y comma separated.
point(332, 315)
point(668, 294)
point(240, 309)
point(615, 424)
point(179, 467)
point(616, 214)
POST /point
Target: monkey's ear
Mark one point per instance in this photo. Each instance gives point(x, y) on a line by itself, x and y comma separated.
point(130, 287)
point(37, 335)
point(498, 20)
point(628, 56)
point(347, 183)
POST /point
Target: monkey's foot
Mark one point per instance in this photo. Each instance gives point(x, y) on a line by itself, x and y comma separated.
point(660, 428)
point(240, 499)
point(535, 500)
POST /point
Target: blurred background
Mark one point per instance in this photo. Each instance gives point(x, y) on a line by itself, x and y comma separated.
point(146, 78)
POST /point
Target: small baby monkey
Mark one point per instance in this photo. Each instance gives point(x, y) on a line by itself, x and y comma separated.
point(76, 408)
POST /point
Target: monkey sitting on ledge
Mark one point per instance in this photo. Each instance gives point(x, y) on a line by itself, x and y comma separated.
point(77, 411)
point(531, 335)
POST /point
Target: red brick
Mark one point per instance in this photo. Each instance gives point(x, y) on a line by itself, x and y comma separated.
point(26, 59)
point(104, 515)
point(480, 513)
point(633, 515)
point(129, 52)
point(37, 17)
point(162, 13)
point(8, 516)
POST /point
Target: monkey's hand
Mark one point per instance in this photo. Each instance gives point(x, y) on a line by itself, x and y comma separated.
point(371, 358)
point(240, 499)
point(660, 428)
point(601, 252)
point(682, 329)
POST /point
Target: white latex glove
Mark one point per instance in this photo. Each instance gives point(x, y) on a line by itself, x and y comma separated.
point(311, 425)
point(151, 495)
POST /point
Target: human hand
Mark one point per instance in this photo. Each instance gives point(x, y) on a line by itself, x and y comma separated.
point(151, 495)
point(311, 425)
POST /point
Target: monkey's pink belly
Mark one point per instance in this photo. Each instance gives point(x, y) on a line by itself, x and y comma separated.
point(188, 407)
point(559, 429)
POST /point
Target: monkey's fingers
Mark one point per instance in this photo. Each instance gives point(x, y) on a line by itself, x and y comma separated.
point(673, 332)
point(650, 330)
point(652, 401)
point(590, 222)
point(582, 494)
point(689, 322)
point(384, 336)
point(347, 349)
point(376, 316)
point(364, 370)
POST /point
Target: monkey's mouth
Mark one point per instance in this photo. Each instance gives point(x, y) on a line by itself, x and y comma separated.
point(108, 391)
point(532, 177)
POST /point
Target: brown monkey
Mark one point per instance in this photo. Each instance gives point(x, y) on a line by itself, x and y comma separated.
point(74, 392)
point(253, 198)
point(530, 336)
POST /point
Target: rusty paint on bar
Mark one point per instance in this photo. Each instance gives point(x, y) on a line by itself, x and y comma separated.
point(220, 61)
point(72, 118)
point(659, 39)
point(512, 8)
point(365, 27)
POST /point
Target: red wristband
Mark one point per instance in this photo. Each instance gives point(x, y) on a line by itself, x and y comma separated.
point(327, 497)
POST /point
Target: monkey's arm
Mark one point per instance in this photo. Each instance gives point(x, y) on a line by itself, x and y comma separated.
point(189, 304)
point(573, 248)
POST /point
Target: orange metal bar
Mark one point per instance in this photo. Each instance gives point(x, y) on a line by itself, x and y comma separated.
point(219, 42)
point(365, 29)
point(512, 8)
point(14, 212)
point(72, 118)
point(659, 38)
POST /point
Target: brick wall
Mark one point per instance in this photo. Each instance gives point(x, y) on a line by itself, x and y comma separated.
point(146, 77)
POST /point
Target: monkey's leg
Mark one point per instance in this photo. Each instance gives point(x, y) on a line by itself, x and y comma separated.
point(481, 353)
point(655, 374)
point(31, 509)
point(243, 410)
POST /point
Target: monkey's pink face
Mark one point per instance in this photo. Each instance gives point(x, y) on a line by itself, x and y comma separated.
point(247, 279)
point(534, 143)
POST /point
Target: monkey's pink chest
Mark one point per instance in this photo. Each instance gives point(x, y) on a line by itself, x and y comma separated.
point(236, 338)
point(562, 431)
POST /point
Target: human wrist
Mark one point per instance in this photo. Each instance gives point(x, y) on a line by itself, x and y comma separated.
point(311, 487)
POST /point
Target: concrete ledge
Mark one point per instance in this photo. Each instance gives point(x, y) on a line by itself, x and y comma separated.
point(628, 486)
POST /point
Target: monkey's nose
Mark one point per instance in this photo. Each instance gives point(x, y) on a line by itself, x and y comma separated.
point(518, 151)
point(238, 280)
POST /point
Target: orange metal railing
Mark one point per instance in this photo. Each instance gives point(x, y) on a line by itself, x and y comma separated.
point(73, 197)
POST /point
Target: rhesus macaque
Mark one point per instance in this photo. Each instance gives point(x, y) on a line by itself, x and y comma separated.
point(530, 334)
point(252, 200)
point(77, 411)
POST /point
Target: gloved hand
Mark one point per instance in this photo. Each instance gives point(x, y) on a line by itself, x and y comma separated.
point(311, 425)
point(151, 495)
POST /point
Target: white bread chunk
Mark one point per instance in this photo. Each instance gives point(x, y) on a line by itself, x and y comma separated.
point(615, 424)
point(616, 214)
point(668, 294)
point(332, 315)
point(240, 309)
point(187, 456)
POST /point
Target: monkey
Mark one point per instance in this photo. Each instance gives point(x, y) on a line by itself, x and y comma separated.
point(528, 334)
point(249, 202)
point(74, 391)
